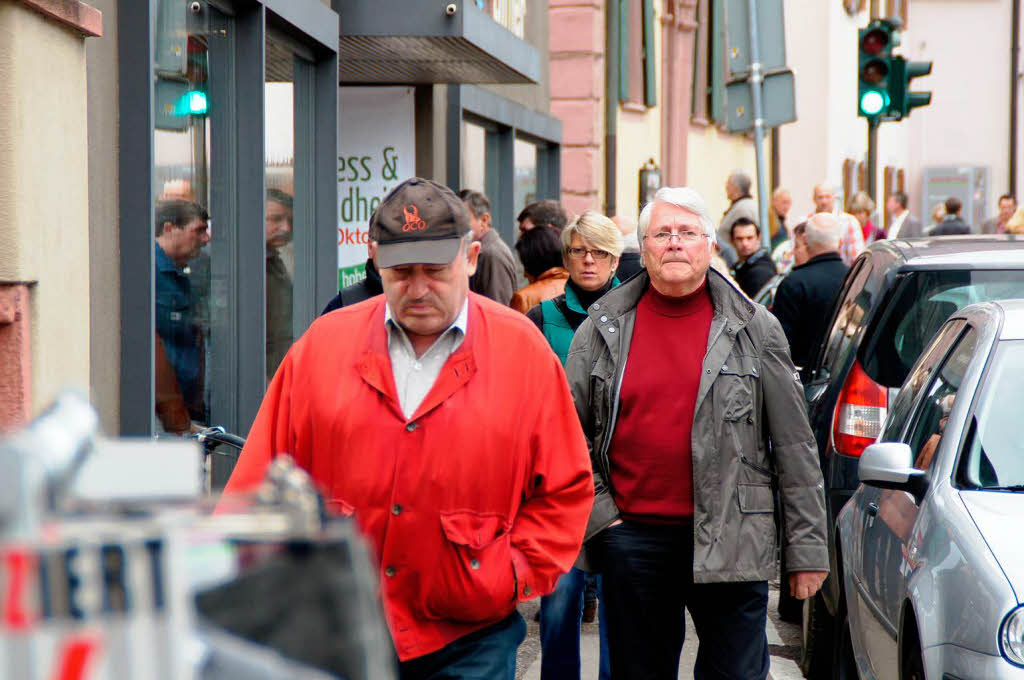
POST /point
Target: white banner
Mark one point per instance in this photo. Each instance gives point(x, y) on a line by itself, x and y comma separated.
point(376, 151)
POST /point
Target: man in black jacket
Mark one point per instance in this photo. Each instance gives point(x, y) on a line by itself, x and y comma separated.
point(357, 292)
point(754, 266)
point(804, 299)
point(952, 223)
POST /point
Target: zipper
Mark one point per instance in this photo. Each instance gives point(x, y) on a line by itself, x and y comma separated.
point(762, 470)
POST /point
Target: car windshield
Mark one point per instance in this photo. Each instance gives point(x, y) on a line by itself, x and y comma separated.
point(922, 302)
point(994, 455)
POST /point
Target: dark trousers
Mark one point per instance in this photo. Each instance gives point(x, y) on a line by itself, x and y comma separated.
point(648, 583)
point(560, 615)
point(488, 654)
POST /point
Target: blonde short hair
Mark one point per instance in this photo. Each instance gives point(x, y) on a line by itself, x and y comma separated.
point(595, 230)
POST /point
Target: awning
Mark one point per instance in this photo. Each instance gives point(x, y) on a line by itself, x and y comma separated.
point(427, 41)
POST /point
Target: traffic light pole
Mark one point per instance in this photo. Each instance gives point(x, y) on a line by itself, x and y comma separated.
point(873, 124)
point(757, 98)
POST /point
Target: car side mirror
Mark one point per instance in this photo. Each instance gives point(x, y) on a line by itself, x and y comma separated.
point(890, 465)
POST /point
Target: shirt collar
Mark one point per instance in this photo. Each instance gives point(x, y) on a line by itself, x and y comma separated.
point(461, 321)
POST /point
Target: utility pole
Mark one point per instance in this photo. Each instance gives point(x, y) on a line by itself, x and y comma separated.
point(757, 100)
point(873, 124)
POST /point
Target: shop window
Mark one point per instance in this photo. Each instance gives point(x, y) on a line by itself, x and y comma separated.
point(525, 174)
point(708, 63)
point(638, 54)
point(474, 157)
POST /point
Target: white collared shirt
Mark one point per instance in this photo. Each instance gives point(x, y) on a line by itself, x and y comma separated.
point(414, 376)
point(897, 224)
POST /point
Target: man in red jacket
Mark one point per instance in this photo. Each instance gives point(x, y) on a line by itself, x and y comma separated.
point(442, 422)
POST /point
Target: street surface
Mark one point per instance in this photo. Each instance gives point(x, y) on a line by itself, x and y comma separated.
point(783, 645)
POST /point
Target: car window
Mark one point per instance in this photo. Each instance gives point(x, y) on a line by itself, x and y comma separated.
point(922, 302)
point(901, 407)
point(994, 453)
point(848, 318)
point(929, 421)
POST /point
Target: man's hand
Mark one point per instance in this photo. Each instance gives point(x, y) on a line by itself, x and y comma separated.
point(804, 584)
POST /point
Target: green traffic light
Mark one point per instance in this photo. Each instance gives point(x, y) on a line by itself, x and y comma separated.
point(196, 102)
point(873, 102)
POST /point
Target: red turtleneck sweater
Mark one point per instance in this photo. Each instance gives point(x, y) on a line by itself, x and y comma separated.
point(651, 457)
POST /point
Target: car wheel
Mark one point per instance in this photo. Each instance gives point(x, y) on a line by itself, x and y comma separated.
point(913, 663)
point(844, 665)
point(818, 630)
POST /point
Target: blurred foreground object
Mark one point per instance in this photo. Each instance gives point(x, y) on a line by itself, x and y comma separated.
point(112, 567)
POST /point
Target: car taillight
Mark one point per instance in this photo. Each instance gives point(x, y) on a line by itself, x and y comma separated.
point(860, 412)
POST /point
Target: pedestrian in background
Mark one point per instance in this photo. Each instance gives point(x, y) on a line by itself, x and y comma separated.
point(938, 214)
point(754, 267)
point(998, 224)
point(369, 287)
point(851, 236)
point(416, 415)
point(782, 202)
point(495, 275)
point(861, 207)
point(903, 224)
point(540, 251)
point(1015, 225)
point(545, 213)
point(741, 204)
point(629, 262)
point(803, 301)
point(679, 379)
point(952, 224)
point(591, 247)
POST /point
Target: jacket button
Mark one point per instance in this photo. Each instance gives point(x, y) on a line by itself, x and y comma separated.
point(597, 306)
point(411, 427)
point(611, 329)
point(389, 572)
point(527, 590)
point(724, 369)
point(474, 563)
point(709, 371)
point(603, 318)
point(396, 509)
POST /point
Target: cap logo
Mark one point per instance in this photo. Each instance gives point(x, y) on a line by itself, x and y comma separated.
point(413, 221)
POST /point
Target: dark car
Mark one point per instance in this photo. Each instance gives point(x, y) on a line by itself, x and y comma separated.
point(895, 297)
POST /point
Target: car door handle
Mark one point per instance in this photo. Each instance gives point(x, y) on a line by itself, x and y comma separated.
point(873, 509)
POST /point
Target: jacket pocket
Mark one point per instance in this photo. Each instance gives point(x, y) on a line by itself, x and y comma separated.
point(473, 579)
point(738, 383)
point(755, 499)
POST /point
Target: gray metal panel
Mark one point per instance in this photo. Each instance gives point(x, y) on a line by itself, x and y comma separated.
point(305, 226)
point(314, 19)
point(549, 171)
point(771, 36)
point(251, 277)
point(779, 106)
point(486, 104)
point(138, 318)
point(500, 160)
point(417, 42)
point(325, 143)
point(453, 146)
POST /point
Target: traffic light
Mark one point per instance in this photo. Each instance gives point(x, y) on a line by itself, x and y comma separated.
point(874, 68)
point(902, 99)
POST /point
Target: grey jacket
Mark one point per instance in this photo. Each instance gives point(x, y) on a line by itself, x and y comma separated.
point(749, 393)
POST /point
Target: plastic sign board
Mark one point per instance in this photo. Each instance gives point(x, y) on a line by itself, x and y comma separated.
point(779, 107)
point(376, 151)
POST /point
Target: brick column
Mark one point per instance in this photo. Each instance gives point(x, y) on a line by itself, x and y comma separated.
point(577, 93)
point(678, 25)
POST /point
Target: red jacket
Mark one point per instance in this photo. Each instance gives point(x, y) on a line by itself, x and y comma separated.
point(478, 501)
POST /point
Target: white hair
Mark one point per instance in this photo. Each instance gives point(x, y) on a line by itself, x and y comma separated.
point(682, 197)
point(822, 233)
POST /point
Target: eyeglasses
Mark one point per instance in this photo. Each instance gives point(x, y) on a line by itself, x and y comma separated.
point(581, 253)
point(663, 238)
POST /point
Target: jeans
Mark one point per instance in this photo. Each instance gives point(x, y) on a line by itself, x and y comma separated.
point(488, 654)
point(647, 572)
point(560, 616)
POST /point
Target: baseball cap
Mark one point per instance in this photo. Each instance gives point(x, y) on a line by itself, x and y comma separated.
point(419, 222)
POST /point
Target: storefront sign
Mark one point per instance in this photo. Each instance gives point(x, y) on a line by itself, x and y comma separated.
point(376, 151)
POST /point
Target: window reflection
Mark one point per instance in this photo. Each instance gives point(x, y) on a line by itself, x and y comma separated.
point(182, 229)
point(279, 150)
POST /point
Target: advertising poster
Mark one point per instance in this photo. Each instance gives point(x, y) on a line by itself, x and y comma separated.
point(376, 151)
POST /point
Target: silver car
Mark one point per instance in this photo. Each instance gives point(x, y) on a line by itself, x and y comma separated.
point(932, 542)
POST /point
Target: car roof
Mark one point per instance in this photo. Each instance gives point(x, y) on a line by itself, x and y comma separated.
point(961, 252)
point(1013, 319)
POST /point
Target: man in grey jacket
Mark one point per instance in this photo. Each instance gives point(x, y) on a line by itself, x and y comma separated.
point(691, 406)
point(737, 190)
